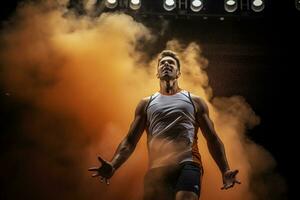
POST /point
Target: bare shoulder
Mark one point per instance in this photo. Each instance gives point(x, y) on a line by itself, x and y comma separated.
point(145, 100)
point(141, 107)
point(200, 103)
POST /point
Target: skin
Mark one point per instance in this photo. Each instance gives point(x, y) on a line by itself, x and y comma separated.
point(168, 74)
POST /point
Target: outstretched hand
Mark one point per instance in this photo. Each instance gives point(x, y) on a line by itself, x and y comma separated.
point(105, 171)
point(229, 179)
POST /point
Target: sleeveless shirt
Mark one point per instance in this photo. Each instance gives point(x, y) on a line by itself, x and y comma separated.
point(171, 129)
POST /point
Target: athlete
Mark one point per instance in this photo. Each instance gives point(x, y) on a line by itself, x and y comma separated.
point(171, 118)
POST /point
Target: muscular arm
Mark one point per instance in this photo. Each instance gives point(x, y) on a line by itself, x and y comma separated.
point(128, 144)
point(215, 145)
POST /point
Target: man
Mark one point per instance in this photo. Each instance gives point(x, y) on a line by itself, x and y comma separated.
point(171, 118)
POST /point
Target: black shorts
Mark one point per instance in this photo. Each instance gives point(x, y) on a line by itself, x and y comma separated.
point(162, 183)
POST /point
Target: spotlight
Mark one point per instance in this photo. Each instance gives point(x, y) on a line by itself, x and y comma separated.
point(135, 4)
point(196, 5)
point(257, 5)
point(111, 3)
point(169, 5)
point(230, 5)
point(297, 3)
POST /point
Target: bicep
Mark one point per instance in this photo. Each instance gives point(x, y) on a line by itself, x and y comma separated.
point(205, 123)
point(138, 124)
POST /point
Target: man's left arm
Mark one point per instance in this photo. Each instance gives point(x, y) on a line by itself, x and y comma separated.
point(214, 143)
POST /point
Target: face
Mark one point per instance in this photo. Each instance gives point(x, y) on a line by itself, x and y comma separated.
point(167, 69)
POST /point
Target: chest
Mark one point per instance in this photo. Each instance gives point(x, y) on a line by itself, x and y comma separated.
point(165, 105)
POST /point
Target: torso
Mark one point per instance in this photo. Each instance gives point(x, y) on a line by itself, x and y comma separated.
point(171, 129)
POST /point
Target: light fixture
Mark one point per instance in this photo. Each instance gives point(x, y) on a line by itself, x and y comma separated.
point(196, 5)
point(297, 3)
point(169, 5)
point(257, 5)
point(135, 4)
point(111, 3)
point(230, 5)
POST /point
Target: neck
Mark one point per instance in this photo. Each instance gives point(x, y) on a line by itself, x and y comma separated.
point(169, 87)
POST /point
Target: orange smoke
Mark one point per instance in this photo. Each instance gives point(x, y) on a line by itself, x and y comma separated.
point(82, 78)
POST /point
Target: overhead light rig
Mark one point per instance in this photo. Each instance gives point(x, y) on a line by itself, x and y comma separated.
point(180, 8)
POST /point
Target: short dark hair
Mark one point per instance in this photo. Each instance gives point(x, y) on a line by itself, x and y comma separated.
point(170, 53)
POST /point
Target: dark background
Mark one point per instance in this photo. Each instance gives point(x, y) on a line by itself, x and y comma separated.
point(254, 58)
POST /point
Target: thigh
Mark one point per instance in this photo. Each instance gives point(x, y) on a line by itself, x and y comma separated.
point(157, 186)
point(189, 181)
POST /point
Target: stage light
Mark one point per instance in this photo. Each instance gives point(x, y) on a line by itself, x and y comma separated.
point(135, 4)
point(169, 5)
point(230, 5)
point(257, 5)
point(111, 3)
point(297, 3)
point(196, 5)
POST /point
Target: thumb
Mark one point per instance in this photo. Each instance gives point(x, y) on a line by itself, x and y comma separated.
point(101, 160)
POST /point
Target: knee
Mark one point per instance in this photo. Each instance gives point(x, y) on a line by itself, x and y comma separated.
point(185, 195)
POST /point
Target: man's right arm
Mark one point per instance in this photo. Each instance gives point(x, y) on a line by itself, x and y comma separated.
point(126, 147)
point(128, 144)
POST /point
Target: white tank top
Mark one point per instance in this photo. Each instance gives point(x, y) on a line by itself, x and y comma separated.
point(171, 129)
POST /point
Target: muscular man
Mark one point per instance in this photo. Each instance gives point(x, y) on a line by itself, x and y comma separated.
point(171, 118)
